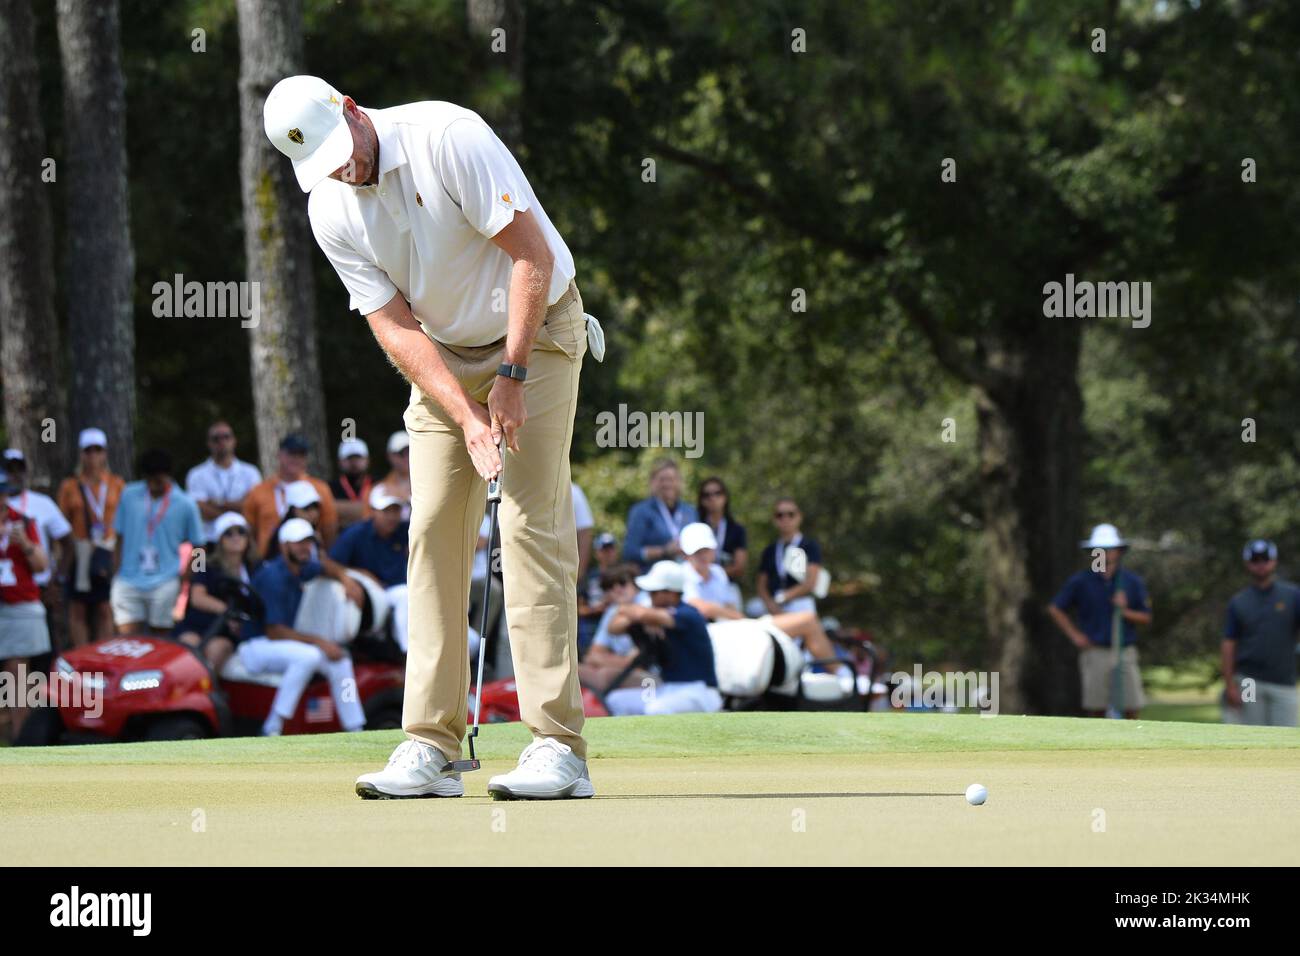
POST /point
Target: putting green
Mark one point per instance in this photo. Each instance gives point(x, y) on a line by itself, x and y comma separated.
point(694, 789)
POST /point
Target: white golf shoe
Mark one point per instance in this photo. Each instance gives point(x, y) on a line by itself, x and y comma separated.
point(548, 770)
point(414, 770)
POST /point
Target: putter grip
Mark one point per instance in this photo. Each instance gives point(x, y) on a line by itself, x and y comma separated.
point(494, 484)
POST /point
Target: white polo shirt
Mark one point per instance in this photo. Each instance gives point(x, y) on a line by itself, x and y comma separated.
point(210, 482)
point(51, 524)
point(446, 186)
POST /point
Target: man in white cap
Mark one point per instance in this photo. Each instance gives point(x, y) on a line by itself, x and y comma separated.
point(378, 549)
point(1096, 596)
point(468, 287)
point(673, 636)
point(287, 648)
point(351, 488)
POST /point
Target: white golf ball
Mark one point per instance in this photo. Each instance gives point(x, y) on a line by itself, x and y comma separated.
point(976, 794)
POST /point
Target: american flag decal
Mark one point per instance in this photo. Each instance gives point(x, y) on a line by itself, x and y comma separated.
point(320, 710)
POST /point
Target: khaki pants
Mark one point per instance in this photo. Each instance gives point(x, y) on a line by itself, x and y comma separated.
point(539, 561)
point(1097, 669)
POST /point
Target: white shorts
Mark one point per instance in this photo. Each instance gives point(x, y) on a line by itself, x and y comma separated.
point(23, 632)
point(155, 607)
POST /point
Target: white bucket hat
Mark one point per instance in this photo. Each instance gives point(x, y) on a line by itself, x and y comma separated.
point(663, 576)
point(303, 118)
point(1104, 536)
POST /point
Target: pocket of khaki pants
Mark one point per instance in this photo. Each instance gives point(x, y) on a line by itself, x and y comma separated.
point(565, 331)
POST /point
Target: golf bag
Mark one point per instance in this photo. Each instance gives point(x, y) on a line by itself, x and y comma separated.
point(760, 667)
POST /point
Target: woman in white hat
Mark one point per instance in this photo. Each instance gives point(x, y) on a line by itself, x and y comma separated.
point(226, 577)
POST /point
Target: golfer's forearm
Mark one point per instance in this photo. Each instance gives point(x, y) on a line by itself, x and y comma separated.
point(530, 279)
point(416, 357)
point(1228, 660)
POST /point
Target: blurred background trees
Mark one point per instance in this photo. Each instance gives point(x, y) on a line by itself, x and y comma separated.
point(797, 155)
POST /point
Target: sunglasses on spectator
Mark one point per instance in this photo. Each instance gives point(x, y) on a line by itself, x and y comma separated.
point(221, 436)
point(242, 532)
point(712, 493)
point(784, 514)
point(1259, 559)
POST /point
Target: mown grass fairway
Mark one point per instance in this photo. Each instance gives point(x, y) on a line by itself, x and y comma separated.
point(695, 789)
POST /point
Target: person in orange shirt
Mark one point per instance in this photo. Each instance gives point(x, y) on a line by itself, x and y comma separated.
point(88, 499)
point(266, 504)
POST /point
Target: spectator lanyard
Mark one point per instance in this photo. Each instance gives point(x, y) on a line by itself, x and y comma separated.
point(780, 556)
point(721, 535)
point(227, 487)
point(363, 495)
point(96, 505)
point(154, 520)
point(670, 518)
point(281, 500)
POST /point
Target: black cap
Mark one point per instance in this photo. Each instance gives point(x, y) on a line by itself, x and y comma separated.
point(1259, 548)
point(295, 443)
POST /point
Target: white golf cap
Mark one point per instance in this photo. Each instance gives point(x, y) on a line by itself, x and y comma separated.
point(301, 494)
point(225, 521)
point(663, 576)
point(92, 437)
point(303, 118)
point(14, 454)
point(397, 441)
point(381, 499)
point(1104, 536)
point(697, 536)
point(353, 446)
point(296, 529)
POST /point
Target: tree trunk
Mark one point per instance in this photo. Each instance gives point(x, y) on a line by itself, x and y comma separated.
point(100, 262)
point(29, 328)
point(484, 17)
point(1030, 432)
point(287, 392)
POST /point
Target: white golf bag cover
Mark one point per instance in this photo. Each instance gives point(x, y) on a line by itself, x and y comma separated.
point(326, 612)
point(744, 657)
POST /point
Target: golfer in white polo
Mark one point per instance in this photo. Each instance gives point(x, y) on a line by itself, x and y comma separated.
point(444, 248)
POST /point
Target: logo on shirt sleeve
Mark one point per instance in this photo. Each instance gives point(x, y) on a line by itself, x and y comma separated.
point(505, 198)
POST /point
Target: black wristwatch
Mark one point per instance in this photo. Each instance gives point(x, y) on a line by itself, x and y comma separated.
point(517, 372)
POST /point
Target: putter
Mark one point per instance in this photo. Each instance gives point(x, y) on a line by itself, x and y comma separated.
point(494, 502)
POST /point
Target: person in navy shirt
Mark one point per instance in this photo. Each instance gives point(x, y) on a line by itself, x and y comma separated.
point(687, 680)
point(779, 590)
point(654, 524)
point(376, 552)
point(714, 509)
point(1095, 596)
point(288, 651)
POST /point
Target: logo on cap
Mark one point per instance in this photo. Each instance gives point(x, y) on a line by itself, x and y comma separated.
point(419, 200)
point(295, 134)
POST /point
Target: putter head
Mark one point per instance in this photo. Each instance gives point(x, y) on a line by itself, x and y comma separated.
point(465, 766)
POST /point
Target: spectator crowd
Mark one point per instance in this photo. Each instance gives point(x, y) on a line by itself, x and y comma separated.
point(280, 574)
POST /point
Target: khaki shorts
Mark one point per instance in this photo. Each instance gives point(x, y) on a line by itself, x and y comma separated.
point(1097, 668)
point(154, 607)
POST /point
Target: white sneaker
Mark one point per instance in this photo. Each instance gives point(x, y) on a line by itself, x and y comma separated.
point(548, 770)
point(414, 770)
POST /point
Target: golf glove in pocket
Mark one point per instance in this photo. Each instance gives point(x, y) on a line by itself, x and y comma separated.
point(595, 337)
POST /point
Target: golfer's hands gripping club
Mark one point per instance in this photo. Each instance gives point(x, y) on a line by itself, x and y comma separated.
point(506, 410)
point(482, 441)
